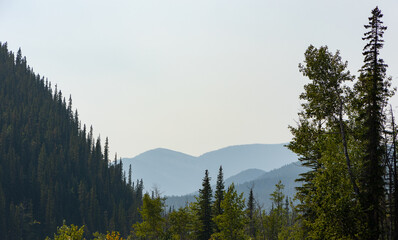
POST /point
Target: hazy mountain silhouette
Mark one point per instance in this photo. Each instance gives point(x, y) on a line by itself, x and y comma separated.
point(245, 176)
point(263, 185)
point(175, 173)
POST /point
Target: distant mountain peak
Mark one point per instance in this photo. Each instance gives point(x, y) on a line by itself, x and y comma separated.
point(262, 183)
point(178, 173)
point(161, 153)
point(241, 147)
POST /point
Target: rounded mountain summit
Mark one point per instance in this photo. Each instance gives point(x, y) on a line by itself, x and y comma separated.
point(176, 173)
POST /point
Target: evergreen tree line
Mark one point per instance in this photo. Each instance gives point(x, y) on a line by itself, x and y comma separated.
point(51, 168)
point(226, 216)
point(346, 135)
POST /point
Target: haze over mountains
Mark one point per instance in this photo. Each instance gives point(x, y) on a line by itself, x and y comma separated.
point(262, 183)
point(175, 173)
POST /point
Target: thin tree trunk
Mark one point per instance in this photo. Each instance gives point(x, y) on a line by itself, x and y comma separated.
point(348, 161)
point(394, 215)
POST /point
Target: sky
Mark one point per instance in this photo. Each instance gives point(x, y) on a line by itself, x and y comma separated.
point(191, 76)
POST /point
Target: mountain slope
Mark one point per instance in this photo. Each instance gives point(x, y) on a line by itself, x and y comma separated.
point(263, 185)
point(245, 176)
point(176, 173)
point(164, 169)
point(51, 168)
point(237, 158)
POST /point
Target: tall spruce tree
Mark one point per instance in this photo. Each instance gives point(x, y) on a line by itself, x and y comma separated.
point(373, 93)
point(204, 210)
point(250, 215)
point(219, 194)
point(129, 182)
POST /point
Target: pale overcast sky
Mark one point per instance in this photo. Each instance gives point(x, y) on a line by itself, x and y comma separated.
point(192, 76)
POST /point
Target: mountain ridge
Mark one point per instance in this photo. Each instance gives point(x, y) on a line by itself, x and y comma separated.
point(177, 173)
point(262, 186)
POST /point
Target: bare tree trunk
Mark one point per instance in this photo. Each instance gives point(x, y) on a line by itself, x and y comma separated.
point(348, 161)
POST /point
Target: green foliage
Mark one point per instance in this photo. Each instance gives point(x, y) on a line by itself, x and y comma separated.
point(329, 203)
point(219, 194)
point(338, 211)
point(71, 232)
point(99, 236)
point(152, 223)
point(373, 91)
point(277, 217)
point(183, 223)
point(294, 232)
point(231, 223)
point(114, 235)
point(203, 210)
point(51, 167)
point(325, 93)
point(340, 137)
point(251, 228)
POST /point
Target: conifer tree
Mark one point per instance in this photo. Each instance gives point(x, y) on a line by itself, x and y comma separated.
point(129, 177)
point(50, 168)
point(233, 219)
point(204, 211)
point(333, 108)
point(250, 215)
point(277, 214)
point(372, 94)
point(219, 194)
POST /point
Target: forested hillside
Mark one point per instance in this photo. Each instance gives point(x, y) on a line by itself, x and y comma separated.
point(51, 167)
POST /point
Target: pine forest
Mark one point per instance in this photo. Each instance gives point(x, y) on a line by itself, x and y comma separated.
point(57, 180)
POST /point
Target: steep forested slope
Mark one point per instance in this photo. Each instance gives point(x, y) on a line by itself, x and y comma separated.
point(51, 168)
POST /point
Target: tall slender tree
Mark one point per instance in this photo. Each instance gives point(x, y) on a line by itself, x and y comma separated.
point(204, 209)
point(373, 93)
point(250, 215)
point(129, 182)
point(219, 194)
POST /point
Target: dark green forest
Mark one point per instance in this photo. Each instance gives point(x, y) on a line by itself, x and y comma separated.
point(51, 168)
point(54, 173)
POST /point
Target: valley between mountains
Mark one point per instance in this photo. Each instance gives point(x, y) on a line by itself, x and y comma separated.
point(179, 176)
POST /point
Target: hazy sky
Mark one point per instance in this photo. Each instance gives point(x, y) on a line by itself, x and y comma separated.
point(192, 76)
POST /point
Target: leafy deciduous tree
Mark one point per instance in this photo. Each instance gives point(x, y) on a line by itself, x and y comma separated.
point(152, 223)
point(232, 221)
